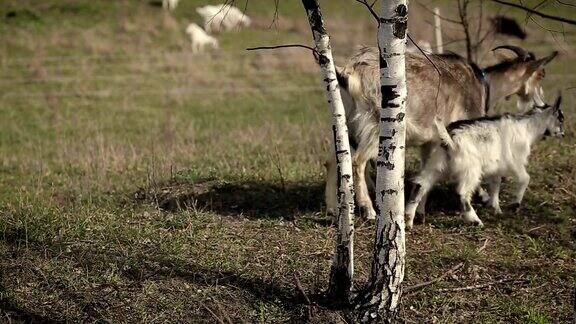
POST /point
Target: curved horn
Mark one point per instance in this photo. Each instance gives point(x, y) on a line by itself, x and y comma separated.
point(522, 53)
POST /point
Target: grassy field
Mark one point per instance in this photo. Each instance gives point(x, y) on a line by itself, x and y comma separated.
point(140, 183)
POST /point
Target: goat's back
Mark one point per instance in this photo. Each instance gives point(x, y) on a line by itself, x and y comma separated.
point(449, 89)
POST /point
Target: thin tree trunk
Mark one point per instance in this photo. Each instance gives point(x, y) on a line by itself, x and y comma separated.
point(380, 302)
point(463, 12)
point(342, 271)
point(438, 31)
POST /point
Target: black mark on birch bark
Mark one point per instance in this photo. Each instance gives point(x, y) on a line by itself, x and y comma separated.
point(328, 83)
point(383, 63)
point(323, 59)
point(399, 117)
point(314, 16)
point(338, 175)
point(339, 277)
point(388, 95)
point(387, 138)
point(388, 165)
point(389, 192)
point(401, 21)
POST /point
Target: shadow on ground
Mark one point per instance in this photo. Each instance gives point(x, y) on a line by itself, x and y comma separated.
point(252, 199)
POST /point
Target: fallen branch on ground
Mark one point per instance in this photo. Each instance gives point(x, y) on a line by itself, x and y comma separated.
point(427, 283)
point(480, 286)
point(301, 290)
point(480, 249)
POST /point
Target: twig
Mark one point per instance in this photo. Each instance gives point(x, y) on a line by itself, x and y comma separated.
point(428, 283)
point(538, 13)
point(301, 290)
point(213, 314)
point(535, 228)
point(480, 249)
point(441, 17)
point(314, 51)
point(221, 310)
point(275, 16)
point(279, 167)
point(433, 64)
point(463, 14)
point(371, 9)
point(566, 4)
point(283, 46)
point(533, 8)
point(480, 286)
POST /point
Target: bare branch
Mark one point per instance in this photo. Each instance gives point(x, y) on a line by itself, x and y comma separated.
point(425, 54)
point(314, 51)
point(535, 12)
point(301, 290)
point(371, 9)
point(441, 17)
point(534, 8)
point(480, 286)
point(282, 46)
point(433, 281)
point(566, 4)
point(275, 17)
point(463, 14)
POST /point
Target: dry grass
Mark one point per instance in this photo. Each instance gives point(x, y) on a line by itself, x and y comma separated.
point(140, 183)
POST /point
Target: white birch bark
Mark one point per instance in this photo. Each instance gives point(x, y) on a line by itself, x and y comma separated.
point(438, 30)
point(380, 303)
point(342, 271)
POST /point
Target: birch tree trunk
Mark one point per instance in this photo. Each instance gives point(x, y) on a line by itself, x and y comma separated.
point(342, 271)
point(380, 303)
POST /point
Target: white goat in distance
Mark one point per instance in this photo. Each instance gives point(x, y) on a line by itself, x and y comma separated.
point(200, 39)
point(169, 5)
point(485, 149)
point(222, 16)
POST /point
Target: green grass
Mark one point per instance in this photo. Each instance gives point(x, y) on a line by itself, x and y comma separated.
point(139, 183)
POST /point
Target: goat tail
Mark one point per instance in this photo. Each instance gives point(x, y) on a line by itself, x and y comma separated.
point(443, 134)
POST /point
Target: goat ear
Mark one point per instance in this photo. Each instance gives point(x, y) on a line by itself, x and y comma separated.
point(539, 64)
point(558, 101)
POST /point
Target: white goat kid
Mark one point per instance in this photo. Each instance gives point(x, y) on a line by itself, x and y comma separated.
point(222, 16)
point(170, 5)
point(200, 39)
point(485, 148)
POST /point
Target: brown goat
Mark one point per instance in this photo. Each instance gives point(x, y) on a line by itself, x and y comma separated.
point(460, 91)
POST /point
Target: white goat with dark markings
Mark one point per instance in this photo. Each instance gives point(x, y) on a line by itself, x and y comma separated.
point(487, 149)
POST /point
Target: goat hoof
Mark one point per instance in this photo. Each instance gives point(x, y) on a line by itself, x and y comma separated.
point(367, 213)
point(409, 224)
point(421, 217)
point(331, 215)
point(515, 207)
